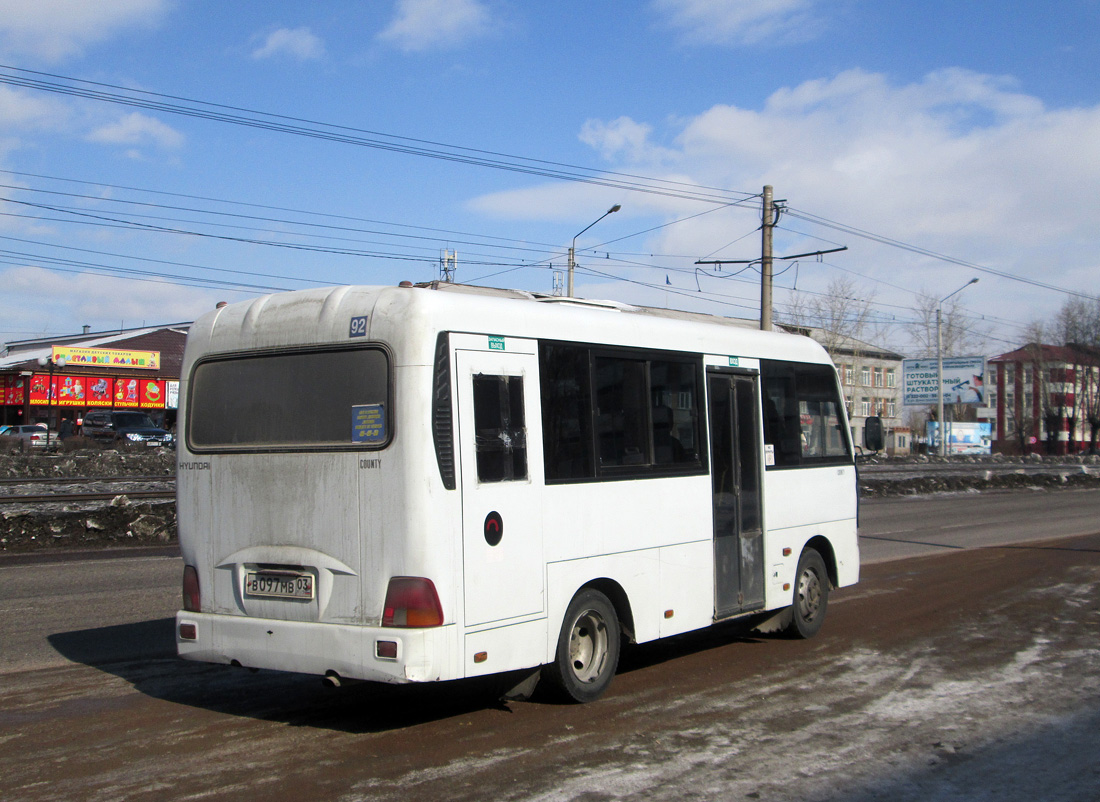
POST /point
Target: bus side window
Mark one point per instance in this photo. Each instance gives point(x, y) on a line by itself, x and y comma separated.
point(782, 423)
point(500, 428)
point(566, 412)
point(621, 411)
point(802, 414)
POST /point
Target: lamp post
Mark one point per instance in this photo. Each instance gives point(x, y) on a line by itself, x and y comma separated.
point(51, 363)
point(573, 247)
point(939, 364)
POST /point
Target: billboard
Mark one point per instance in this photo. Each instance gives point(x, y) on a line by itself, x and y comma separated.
point(106, 358)
point(962, 438)
point(963, 378)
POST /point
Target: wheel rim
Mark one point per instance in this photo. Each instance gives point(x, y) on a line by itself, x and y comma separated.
point(809, 594)
point(588, 646)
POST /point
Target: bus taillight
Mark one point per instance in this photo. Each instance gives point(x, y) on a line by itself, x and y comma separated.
point(411, 601)
point(191, 601)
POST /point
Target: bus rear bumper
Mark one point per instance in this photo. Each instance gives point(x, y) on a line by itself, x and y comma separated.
point(353, 652)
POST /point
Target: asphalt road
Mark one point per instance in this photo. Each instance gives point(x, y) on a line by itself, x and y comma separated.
point(968, 673)
point(895, 527)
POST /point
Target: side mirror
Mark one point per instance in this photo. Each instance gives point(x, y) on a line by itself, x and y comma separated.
point(873, 437)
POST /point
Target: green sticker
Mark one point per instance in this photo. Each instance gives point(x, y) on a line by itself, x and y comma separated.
point(496, 343)
point(734, 362)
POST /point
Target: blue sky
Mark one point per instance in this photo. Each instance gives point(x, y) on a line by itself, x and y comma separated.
point(970, 131)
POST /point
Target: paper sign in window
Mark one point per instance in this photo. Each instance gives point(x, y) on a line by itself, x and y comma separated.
point(368, 424)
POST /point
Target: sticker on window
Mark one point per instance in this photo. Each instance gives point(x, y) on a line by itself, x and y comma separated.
point(368, 424)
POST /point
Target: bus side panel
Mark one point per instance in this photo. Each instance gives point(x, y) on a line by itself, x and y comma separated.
point(827, 509)
point(506, 648)
point(686, 573)
point(653, 537)
point(595, 518)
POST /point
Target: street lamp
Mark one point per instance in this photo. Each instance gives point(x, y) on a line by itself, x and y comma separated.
point(51, 363)
point(939, 362)
point(573, 247)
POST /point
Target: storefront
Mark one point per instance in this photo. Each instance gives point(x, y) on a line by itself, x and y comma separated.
point(58, 379)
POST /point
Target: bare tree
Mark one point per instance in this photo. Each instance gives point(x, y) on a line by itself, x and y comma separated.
point(844, 316)
point(962, 336)
point(1077, 326)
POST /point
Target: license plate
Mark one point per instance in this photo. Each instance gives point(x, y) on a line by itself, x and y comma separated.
point(279, 585)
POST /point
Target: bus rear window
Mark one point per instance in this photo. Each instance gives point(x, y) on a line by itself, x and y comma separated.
point(291, 401)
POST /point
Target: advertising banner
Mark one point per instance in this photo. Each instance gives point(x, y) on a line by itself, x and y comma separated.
point(69, 391)
point(127, 395)
point(151, 393)
point(87, 391)
point(99, 391)
point(962, 438)
point(963, 381)
point(11, 391)
point(106, 358)
point(40, 389)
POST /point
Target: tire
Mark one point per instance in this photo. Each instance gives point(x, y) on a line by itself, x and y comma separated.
point(588, 648)
point(811, 596)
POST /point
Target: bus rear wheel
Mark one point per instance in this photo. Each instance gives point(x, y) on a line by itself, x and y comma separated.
point(811, 596)
point(588, 648)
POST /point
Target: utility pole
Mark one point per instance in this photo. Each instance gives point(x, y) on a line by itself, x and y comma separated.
point(766, 262)
point(766, 259)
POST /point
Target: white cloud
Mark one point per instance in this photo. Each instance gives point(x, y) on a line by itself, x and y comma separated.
point(956, 155)
point(36, 299)
point(53, 30)
point(138, 129)
point(622, 139)
point(727, 22)
point(20, 110)
point(299, 43)
point(959, 163)
point(423, 24)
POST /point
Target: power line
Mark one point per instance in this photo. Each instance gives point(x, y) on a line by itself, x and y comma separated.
point(252, 118)
point(526, 246)
point(198, 109)
point(893, 243)
point(163, 262)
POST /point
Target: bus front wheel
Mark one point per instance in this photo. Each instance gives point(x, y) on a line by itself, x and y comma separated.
point(588, 648)
point(811, 596)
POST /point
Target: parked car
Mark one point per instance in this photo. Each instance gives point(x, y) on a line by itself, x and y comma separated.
point(124, 425)
point(32, 434)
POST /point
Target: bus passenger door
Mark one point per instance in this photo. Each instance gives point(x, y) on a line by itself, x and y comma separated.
point(500, 452)
point(735, 479)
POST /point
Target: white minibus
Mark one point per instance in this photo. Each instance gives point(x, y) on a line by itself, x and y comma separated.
point(436, 482)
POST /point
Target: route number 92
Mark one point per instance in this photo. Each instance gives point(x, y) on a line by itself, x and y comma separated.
point(358, 327)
